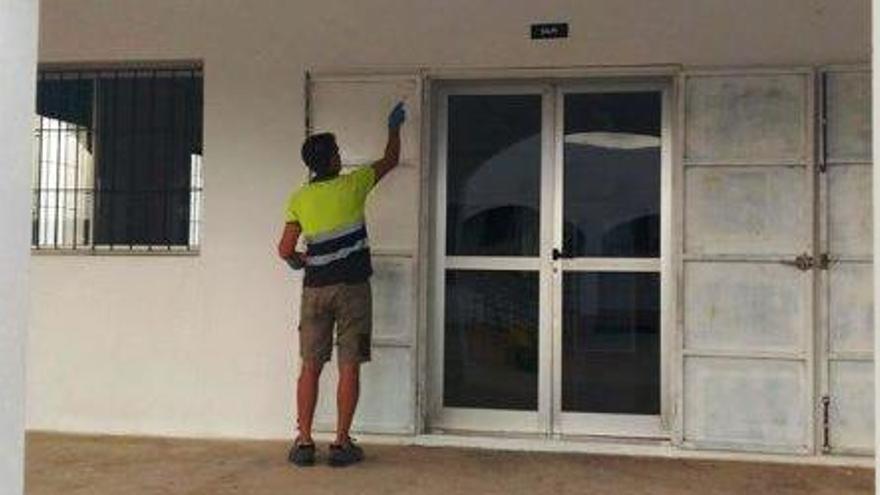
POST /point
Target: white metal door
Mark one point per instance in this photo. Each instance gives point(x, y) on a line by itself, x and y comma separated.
point(747, 379)
point(846, 367)
point(355, 108)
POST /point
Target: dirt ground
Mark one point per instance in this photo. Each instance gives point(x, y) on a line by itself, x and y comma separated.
point(78, 465)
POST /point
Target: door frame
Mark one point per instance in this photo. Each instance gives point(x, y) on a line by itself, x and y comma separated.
point(547, 420)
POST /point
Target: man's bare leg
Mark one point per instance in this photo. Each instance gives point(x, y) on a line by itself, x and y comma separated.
point(307, 399)
point(347, 395)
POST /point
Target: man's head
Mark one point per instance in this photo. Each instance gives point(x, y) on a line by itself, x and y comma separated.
point(321, 155)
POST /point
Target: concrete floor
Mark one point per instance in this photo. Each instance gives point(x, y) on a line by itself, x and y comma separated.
point(73, 465)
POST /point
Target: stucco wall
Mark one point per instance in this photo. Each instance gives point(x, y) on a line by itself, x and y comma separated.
point(203, 345)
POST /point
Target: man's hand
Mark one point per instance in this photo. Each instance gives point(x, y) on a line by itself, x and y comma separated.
point(392, 150)
point(397, 117)
point(297, 261)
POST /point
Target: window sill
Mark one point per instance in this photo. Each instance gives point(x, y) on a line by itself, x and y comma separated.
point(118, 251)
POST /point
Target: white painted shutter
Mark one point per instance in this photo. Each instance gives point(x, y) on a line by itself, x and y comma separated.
point(355, 109)
point(748, 208)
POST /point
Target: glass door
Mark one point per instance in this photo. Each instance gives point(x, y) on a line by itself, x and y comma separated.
point(548, 262)
point(608, 258)
point(490, 337)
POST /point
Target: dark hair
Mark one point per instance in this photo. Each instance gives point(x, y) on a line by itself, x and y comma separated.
point(317, 152)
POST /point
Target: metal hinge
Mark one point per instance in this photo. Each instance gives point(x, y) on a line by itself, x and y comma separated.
point(826, 424)
point(822, 165)
point(823, 125)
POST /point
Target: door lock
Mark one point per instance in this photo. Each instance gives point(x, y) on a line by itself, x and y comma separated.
point(825, 261)
point(806, 262)
point(557, 254)
point(803, 262)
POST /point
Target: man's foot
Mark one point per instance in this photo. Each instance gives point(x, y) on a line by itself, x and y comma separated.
point(345, 454)
point(302, 454)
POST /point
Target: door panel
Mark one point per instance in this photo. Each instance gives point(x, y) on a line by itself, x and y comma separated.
point(608, 288)
point(852, 406)
point(846, 290)
point(851, 315)
point(746, 118)
point(394, 283)
point(355, 110)
point(491, 340)
point(748, 312)
point(849, 210)
point(611, 343)
point(736, 403)
point(493, 178)
point(611, 198)
point(753, 210)
point(387, 393)
point(745, 307)
point(492, 319)
point(848, 113)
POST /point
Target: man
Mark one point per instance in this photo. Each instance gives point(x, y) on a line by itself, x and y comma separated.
point(329, 212)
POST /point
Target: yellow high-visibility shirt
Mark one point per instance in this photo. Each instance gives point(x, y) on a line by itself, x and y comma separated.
point(331, 215)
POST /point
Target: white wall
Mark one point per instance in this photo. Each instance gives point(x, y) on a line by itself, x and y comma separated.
point(18, 56)
point(204, 345)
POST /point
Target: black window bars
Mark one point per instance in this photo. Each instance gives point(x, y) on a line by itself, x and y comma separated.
point(118, 159)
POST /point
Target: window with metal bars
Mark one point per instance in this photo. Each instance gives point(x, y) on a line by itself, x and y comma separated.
point(118, 159)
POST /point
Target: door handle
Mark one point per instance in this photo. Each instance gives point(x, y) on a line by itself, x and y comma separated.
point(557, 254)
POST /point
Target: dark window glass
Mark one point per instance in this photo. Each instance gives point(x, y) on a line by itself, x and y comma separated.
point(150, 132)
point(612, 175)
point(119, 158)
point(493, 175)
point(491, 340)
point(611, 343)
